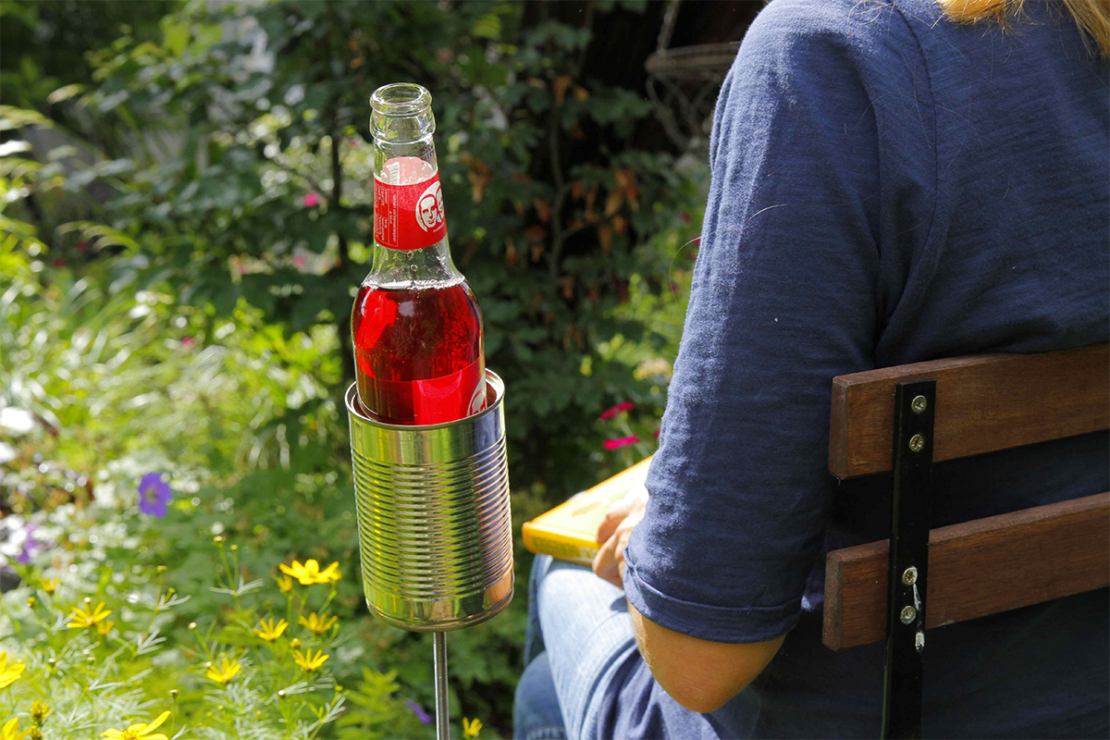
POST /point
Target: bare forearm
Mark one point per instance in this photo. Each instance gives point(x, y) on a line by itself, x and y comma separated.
point(699, 674)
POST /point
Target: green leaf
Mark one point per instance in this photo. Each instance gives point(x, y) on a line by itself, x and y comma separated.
point(176, 34)
point(487, 26)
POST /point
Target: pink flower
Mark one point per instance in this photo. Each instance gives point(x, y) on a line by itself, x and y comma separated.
point(610, 413)
point(655, 434)
point(82, 245)
point(187, 342)
point(298, 261)
point(684, 216)
point(612, 444)
point(311, 200)
point(59, 262)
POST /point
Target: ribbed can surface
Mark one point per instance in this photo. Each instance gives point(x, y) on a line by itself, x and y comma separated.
point(434, 521)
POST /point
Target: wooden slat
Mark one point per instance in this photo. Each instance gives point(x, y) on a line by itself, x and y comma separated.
point(984, 403)
point(976, 568)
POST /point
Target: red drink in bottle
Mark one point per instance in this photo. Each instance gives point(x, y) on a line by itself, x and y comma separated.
point(416, 326)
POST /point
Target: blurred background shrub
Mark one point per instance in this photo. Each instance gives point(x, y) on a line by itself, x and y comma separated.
point(185, 214)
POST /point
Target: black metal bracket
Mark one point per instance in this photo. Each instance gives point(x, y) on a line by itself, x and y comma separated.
point(914, 411)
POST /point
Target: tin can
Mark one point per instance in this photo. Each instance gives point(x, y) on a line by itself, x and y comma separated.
point(434, 520)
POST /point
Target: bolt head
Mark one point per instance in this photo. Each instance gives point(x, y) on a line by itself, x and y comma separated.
point(919, 404)
point(908, 614)
point(917, 443)
point(909, 576)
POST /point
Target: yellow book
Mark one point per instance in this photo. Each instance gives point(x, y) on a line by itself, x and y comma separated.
point(568, 531)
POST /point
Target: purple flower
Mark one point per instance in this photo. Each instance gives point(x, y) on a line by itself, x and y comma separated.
point(154, 494)
point(29, 544)
point(418, 710)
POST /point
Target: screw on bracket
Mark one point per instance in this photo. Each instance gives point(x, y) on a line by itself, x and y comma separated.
point(917, 443)
point(909, 576)
point(919, 404)
point(908, 614)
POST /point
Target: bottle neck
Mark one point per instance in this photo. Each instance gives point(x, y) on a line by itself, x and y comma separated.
point(405, 163)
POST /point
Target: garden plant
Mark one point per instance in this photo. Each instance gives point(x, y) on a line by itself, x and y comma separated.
point(185, 213)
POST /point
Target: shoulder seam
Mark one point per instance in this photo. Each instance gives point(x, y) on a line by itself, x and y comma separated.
point(936, 129)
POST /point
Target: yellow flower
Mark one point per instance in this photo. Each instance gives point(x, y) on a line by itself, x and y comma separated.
point(310, 572)
point(270, 631)
point(228, 670)
point(85, 617)
point(39, 710)
point(31, 601)
point(9, 674)
point(285, 583)
point(48, 585)
point(471, 728)
point(316, 624)
point(105, 627)
point(10, 730)
point(139, 731)
point(309, 663)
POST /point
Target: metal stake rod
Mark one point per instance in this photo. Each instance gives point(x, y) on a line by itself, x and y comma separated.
point(443, 715)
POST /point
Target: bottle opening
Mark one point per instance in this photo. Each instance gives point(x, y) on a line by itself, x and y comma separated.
point(400, 99)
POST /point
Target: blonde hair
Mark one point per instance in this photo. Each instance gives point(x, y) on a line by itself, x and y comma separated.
point(1092, 16)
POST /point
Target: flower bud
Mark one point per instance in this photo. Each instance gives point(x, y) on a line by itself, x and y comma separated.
point(39, 710)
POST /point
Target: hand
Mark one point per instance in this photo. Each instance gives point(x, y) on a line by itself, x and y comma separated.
point(616, 527)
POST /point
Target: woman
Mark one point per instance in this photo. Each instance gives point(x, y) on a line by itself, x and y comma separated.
point(890, 185)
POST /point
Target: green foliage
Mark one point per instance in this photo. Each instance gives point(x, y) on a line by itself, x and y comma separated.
point(169, 302)
point(106, 649)
point(551, 206)
point(116, 393)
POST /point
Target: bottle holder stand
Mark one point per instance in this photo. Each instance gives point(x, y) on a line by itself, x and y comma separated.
point(434, 522)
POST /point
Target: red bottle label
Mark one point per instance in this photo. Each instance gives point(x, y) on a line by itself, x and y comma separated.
point(408, 216)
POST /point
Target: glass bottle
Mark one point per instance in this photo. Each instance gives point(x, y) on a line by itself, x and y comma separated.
point(416, 326)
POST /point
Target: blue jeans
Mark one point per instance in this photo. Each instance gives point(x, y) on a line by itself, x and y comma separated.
point(579, 642)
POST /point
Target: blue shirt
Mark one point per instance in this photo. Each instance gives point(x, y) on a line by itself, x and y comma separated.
point(887, 187)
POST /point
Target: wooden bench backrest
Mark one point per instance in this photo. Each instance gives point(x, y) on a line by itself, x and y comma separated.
point(983, 404)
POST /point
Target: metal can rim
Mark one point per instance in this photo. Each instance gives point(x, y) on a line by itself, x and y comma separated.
point(493, 380)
